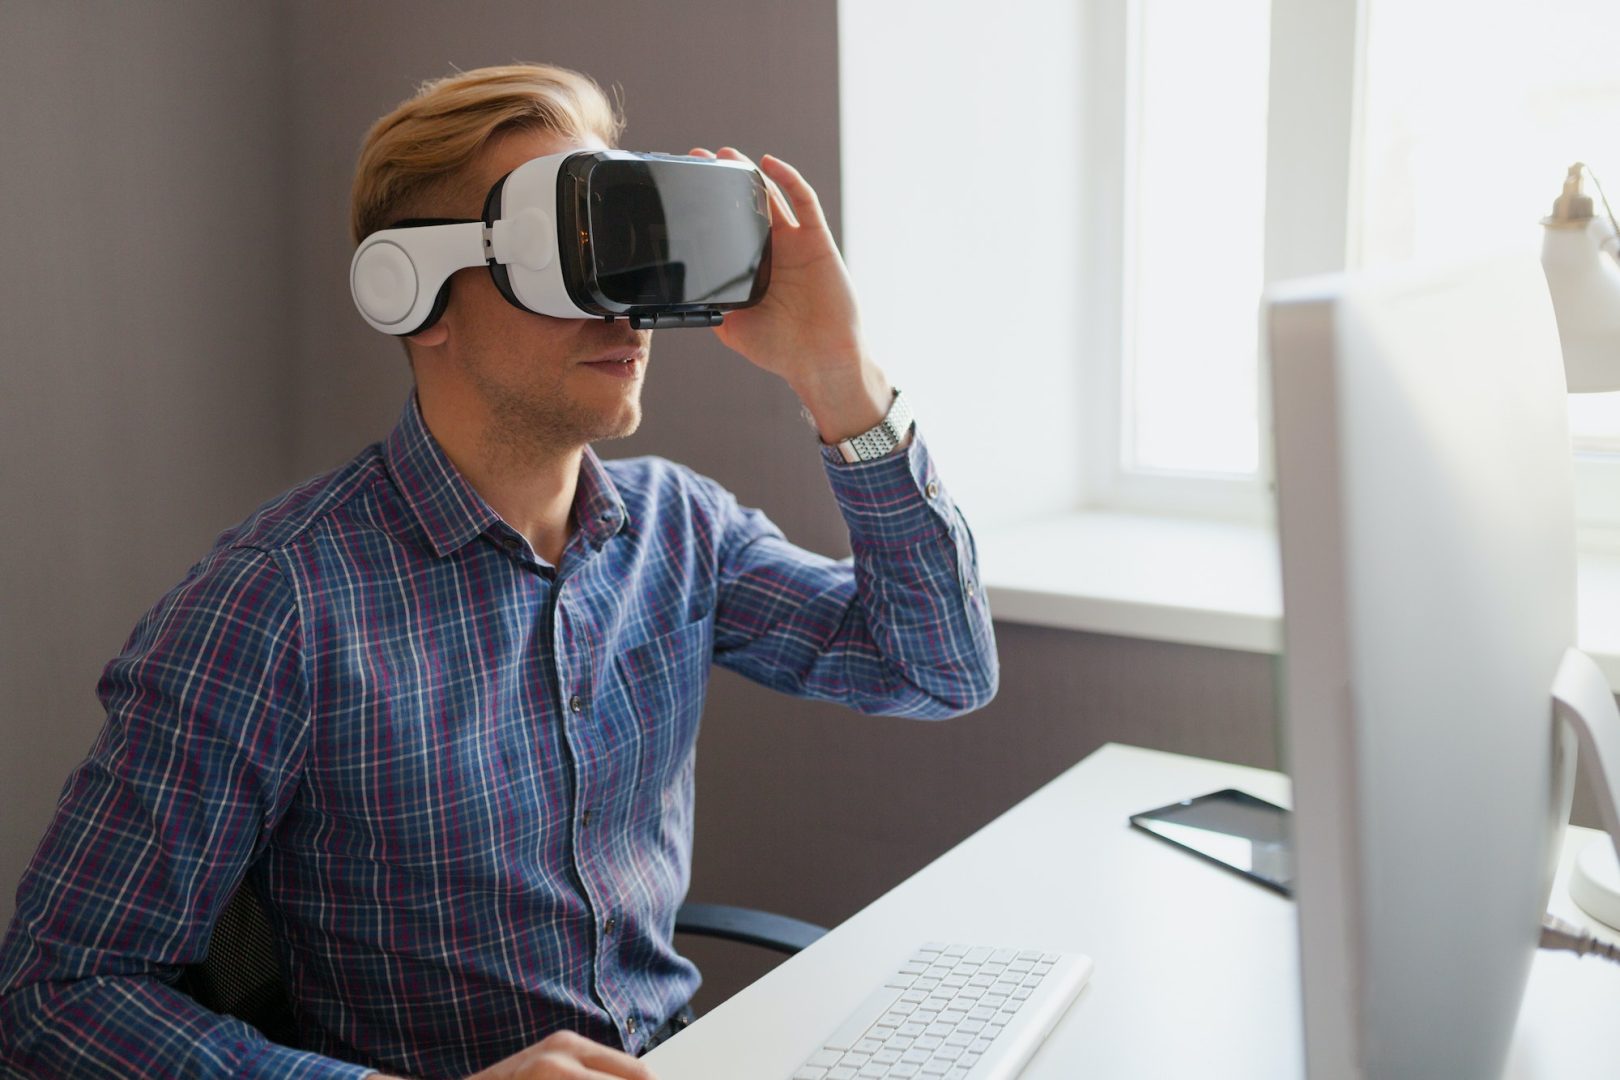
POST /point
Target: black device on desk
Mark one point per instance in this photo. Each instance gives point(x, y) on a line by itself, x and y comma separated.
point(1232, 829)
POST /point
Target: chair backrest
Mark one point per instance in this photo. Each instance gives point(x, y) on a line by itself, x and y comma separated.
point(240, 976)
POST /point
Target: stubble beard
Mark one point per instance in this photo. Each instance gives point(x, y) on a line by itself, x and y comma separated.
point(532, 425)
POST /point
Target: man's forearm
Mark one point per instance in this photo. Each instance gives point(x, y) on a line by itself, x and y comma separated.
point(124, 1026)
point(846, 400)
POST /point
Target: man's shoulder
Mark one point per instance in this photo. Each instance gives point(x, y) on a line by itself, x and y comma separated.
point(652, 480)
point(294, 514)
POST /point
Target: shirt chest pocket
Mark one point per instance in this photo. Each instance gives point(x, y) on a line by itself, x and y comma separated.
point(666, 680)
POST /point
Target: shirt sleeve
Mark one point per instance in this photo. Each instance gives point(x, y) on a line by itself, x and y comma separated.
point(902, 628)
point(206, 724)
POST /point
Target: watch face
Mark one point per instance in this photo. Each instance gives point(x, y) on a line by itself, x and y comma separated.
point(658, 233)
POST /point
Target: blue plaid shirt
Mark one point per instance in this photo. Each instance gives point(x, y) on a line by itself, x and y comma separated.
point(459, 778)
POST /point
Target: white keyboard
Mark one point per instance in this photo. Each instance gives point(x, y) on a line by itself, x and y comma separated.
point(953, 1012)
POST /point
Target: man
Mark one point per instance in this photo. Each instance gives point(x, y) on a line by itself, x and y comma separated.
point(439, 707)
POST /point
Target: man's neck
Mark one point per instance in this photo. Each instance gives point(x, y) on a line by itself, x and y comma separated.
point(530, 486)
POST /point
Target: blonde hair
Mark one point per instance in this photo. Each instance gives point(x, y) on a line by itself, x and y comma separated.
point(417, 153)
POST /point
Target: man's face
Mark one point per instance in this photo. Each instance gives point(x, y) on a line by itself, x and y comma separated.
point(544, 384)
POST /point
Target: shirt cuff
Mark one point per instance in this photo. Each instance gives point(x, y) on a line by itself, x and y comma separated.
point(891, 500)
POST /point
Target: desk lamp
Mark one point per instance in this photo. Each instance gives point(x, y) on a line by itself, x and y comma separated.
point(1580, 254)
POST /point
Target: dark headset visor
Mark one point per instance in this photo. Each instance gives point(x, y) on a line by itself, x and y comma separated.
point(666, 234)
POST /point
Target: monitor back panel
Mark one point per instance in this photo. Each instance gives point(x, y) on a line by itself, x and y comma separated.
point(1425, 503)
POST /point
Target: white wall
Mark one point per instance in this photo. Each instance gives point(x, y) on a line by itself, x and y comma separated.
point(963, 229)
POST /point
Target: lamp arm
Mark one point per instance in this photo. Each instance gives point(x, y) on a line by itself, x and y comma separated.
point(1613, 242)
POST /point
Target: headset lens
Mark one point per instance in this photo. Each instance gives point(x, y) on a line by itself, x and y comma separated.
point(676, 233)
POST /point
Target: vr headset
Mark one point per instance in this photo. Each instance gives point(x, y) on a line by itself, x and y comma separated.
point(659, 239)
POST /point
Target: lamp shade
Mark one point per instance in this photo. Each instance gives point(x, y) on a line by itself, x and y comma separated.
point(1584, 279)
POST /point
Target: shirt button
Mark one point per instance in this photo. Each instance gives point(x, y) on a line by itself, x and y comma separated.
point(611, 925)
point(576, 704)
point(511, 543)
point(932, 489)
point(586, 818)
point(630, 1025)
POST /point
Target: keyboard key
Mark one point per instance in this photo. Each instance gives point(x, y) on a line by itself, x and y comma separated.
point(808, 1073)
point(862, 1018)
point(841, 1073)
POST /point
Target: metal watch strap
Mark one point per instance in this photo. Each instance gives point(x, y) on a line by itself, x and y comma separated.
point(883, 438)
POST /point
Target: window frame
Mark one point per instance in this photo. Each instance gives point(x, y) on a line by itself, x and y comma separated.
point(1312, 143)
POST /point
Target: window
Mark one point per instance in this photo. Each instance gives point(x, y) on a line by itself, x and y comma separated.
point(1061, 215)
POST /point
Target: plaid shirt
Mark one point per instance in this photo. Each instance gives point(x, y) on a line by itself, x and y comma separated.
point(459, 778)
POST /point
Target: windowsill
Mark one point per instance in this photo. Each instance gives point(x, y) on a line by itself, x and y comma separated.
point(1196, 582)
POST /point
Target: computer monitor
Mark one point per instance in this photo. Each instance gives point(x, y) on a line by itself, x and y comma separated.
point(1426, 516)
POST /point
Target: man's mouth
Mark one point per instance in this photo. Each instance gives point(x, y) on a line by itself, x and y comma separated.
point(620, 365)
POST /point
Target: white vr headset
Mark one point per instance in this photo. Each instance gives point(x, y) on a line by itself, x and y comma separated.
point(661, 240)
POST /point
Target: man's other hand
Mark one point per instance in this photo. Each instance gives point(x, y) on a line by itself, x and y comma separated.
point(565, 1056)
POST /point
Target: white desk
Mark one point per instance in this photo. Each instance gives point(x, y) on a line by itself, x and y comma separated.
point(1196, 969)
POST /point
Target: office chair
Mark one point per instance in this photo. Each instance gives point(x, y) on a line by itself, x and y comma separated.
point(241, 977)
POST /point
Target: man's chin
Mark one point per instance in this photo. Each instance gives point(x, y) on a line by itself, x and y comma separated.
point(625, 428)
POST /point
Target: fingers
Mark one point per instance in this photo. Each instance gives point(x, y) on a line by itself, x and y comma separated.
point(566, 1055)
point(806, 207)
point(783, 209)
point(611, 1062)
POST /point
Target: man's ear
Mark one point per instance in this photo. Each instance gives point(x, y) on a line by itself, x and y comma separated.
point(432, 337)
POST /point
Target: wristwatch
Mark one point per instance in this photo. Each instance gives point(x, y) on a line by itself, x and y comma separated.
point(880, 440)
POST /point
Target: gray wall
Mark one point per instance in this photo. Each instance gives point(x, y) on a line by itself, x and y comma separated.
point(144, 386)
point(180, 346)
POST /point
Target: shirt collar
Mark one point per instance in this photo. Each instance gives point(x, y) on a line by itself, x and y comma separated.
point(451, 512)
point(598, 509)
